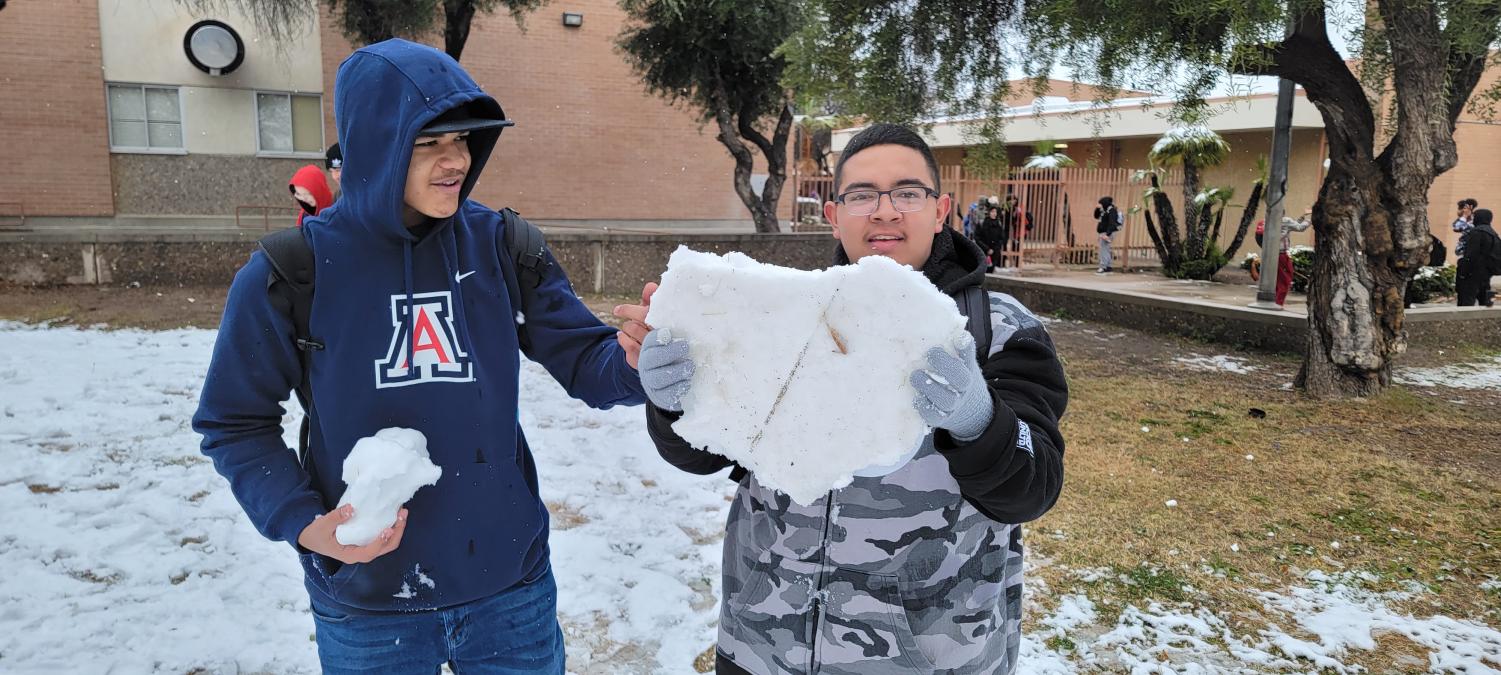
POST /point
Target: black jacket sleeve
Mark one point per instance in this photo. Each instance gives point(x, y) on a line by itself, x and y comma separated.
point(1014, 471)
point(677, 451)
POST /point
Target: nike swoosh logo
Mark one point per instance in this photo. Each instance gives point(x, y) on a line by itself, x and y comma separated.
point(457, 277)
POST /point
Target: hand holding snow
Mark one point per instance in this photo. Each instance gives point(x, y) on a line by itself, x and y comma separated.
point(802, 377)
point(383, 472)
point(951, 391)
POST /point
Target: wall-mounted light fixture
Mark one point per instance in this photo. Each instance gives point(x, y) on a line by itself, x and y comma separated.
point(573, 19)
point(213, 47)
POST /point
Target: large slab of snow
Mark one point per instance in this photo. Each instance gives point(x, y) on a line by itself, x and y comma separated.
point(802, 377)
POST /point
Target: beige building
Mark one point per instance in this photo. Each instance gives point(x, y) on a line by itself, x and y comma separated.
point(1119, 137)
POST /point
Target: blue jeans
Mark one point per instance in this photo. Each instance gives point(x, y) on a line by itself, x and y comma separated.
point(513, 631)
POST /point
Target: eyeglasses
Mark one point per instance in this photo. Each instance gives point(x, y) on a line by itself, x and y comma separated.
point(903, 199)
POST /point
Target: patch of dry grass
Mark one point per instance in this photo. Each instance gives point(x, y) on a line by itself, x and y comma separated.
point(1402, 486)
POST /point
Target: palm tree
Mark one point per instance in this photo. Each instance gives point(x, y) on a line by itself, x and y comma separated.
point(1197, 147)
point(1046, 156)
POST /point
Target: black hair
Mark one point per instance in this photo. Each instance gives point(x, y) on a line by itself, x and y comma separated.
point(1468, 201)
point(1482, 216)
point(1107, 201)
point(886, 134)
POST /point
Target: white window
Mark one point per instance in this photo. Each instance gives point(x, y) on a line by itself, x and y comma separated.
point(289, 124)
point(144, 118)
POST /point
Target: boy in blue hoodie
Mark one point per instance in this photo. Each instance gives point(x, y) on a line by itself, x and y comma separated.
point(413, 310)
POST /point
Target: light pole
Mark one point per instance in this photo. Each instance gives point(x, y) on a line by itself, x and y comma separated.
point(1271, 237)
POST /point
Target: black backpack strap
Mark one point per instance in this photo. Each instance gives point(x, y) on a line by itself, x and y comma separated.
point(528, 253)
point(974, 304)
point(527, 247)
point(291, 289)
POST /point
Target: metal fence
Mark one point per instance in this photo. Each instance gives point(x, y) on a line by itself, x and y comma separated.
point(1057, 207)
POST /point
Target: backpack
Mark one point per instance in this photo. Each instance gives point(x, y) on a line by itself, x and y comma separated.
point(974, 304)
point(1494, 264)
point(293, 273)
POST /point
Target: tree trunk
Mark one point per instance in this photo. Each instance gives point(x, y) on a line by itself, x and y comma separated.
point(1172, 262)
point(1156, 238)
point(1355, 295)
point(1370, 224)
point(457, 16)
point(1252, 205)
point(1193, 232)
point(745, 163)
point(775, 152)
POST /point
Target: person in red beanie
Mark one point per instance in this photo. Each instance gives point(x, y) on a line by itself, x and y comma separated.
point(310, 190)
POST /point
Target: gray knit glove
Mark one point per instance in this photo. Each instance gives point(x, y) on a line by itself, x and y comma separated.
point(951, 391)
point(666, 369)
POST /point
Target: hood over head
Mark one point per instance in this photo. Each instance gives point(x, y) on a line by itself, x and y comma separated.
point(311, 178)
point(384, 95)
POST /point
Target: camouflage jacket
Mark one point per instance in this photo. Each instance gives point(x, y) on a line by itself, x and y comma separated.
point(918, 571)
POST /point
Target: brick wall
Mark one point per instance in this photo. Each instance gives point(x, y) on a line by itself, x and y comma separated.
point(55, 159)
point(590, 142)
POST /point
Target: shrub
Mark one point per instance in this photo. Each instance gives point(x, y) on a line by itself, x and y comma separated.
point(1302, 257)
point(1430, 283)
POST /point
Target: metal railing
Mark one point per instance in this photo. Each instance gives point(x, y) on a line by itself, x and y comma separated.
point(265, 216)
point(12, 214)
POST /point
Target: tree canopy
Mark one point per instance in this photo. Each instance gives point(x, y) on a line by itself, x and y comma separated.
point(720, 58)
point(1389, 110)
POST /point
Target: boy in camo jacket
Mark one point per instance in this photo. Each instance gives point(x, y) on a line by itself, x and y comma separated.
point(918, 570)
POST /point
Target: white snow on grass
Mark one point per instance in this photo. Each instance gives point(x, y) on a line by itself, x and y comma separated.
point(1220, 362)
point(124, 552)
point(1343, 617)
point(1484, 374)
point(121, 543)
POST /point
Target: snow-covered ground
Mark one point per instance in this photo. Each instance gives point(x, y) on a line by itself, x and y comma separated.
point(123, 552)
point(1218, 362)
point(1483, 374)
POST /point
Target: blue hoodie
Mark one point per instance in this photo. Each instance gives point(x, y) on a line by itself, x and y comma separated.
point(482, 528)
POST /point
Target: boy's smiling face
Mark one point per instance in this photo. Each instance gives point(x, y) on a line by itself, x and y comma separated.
point(904, 237)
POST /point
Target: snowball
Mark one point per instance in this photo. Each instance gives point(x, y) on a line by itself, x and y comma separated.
point(802, 377)
point(1171, 503)
point(383, 472)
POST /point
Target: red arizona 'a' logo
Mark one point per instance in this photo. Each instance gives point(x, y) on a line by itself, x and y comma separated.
point(435, 352)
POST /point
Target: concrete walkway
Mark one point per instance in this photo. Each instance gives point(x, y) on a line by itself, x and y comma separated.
point(1236, 292)
point(1218, 311)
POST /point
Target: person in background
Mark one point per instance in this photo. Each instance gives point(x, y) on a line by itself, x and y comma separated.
point(1017, 222)
point(310, 191)
point(1284, 261)
point(333, 160)
point(1481, 261)
point(1463, 221)
point(1110, 223)
point(972, 220)
point(991, 237)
